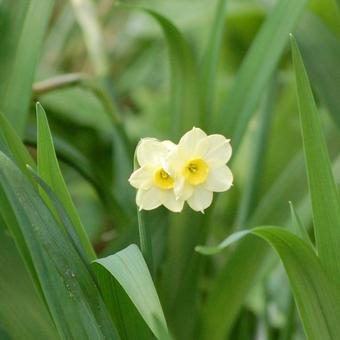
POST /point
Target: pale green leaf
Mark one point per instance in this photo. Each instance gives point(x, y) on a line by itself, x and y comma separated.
point(129, 269)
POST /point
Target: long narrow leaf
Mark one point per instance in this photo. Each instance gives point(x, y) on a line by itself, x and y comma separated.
point(68, 288)
point(17, 149)
point(320, 49)
point(22, 312)
point(324, 195)
point(257, 68)
point(210, 61)
point(317, 297)
point(48, 169)
point(185, 100)
point(22, 29)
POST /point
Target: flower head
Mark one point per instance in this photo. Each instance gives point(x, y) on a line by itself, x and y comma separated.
point(198, 166)
point(155, 185)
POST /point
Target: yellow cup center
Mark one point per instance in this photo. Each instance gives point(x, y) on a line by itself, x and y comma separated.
point(196, 171)
point(162, 179)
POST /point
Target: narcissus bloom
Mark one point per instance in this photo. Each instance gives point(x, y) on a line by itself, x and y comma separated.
point(155, 185)
point(198, 166)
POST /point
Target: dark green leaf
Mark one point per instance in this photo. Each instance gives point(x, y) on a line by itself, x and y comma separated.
point(48, 169)
point(68, 288)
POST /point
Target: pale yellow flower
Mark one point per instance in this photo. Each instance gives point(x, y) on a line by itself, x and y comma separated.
point(155, 185)
point(198, 166)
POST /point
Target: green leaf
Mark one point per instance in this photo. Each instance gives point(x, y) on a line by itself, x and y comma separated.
point(257, 68)
point(258, 155)
point(210, 61)
point(68, 288)
point(316, 296)
point(22, 29)
point(320, 49)
point(129, 269)
point(206, 250)
point(323, 191)
point(298, 227)
point(185, 100)
point(48, 169)
point(17, 149)
point(230, 288)
point(22, 312)
point(61, 216)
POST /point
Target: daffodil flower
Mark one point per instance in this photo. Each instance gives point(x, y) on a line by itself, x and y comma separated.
point(198, 166)
point(155, 185)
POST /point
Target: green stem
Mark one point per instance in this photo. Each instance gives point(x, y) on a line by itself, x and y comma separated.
point(144, 233)
point(145, 241)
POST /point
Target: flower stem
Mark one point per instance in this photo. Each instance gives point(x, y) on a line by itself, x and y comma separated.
point(145, 241)
point(144, 233)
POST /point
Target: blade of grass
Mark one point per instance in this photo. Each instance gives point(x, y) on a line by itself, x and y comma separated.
point(257, 68)
point(323, 191)
point(48, 169)
point(316, 296)
point(22, 29)
point(130, 271)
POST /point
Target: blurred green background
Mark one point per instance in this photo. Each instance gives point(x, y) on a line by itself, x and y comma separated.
point(107, 75)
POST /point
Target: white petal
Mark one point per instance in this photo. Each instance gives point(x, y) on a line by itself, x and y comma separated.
point(174, 161)
point(190, 140)
point(150, 152)
point(141, 178)
point(215, 150)
point(169, 144)
point(148, 199)
point(200, 199)
point(168, 199)
point(182, 189)
point(219, 179)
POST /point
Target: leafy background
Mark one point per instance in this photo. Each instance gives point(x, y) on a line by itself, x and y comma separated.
point(107, 74)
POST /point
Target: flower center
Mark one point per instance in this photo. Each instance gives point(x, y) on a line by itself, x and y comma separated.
point(196, 171)
point(162, 179)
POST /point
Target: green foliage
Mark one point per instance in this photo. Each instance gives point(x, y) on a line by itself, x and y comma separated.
point(49, 171)
point(61, 274)
point(108, 75)
point(324, 195)
point(257, 68)
point(22, 32)
point(316, 296)
point(130, 273)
